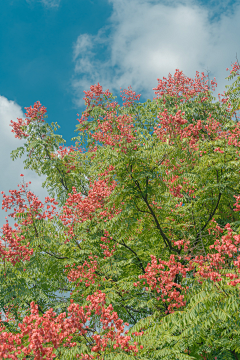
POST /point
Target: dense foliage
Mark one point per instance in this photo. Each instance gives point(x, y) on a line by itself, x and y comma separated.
point(134, 254)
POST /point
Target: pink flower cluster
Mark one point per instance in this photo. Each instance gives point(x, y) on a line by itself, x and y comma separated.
point(40, 336)
point(30, 209)
point(107, 134)
point(161, 276)
point(181, 86)
point(81, 273)
point(11, 248)
point(35, 113)
point(173, 126)
point(163, 281)
point(235, 67)
point(78, 208)
point(106, 247)
point(226, 249)
point(28, 204)
point(129, 97)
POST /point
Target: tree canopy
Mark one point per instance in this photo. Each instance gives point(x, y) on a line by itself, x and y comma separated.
point(135, 252)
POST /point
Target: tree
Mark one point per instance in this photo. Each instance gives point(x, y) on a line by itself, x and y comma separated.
point(134, 253)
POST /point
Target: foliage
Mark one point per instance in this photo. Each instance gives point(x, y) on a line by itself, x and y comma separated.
point(134, 254)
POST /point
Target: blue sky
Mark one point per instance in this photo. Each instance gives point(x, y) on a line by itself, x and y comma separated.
point(36, 57)
point(52, 50)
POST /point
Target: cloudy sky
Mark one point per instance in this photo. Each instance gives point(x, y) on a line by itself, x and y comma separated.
point(52, 50)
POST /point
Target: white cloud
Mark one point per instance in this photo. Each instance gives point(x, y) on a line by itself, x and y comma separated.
point(47, 3)
point(51, 3)
point(11, 170)
point(148, 39)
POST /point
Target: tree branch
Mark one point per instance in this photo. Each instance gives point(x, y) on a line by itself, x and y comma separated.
point(165, 238)
point(128, 247)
